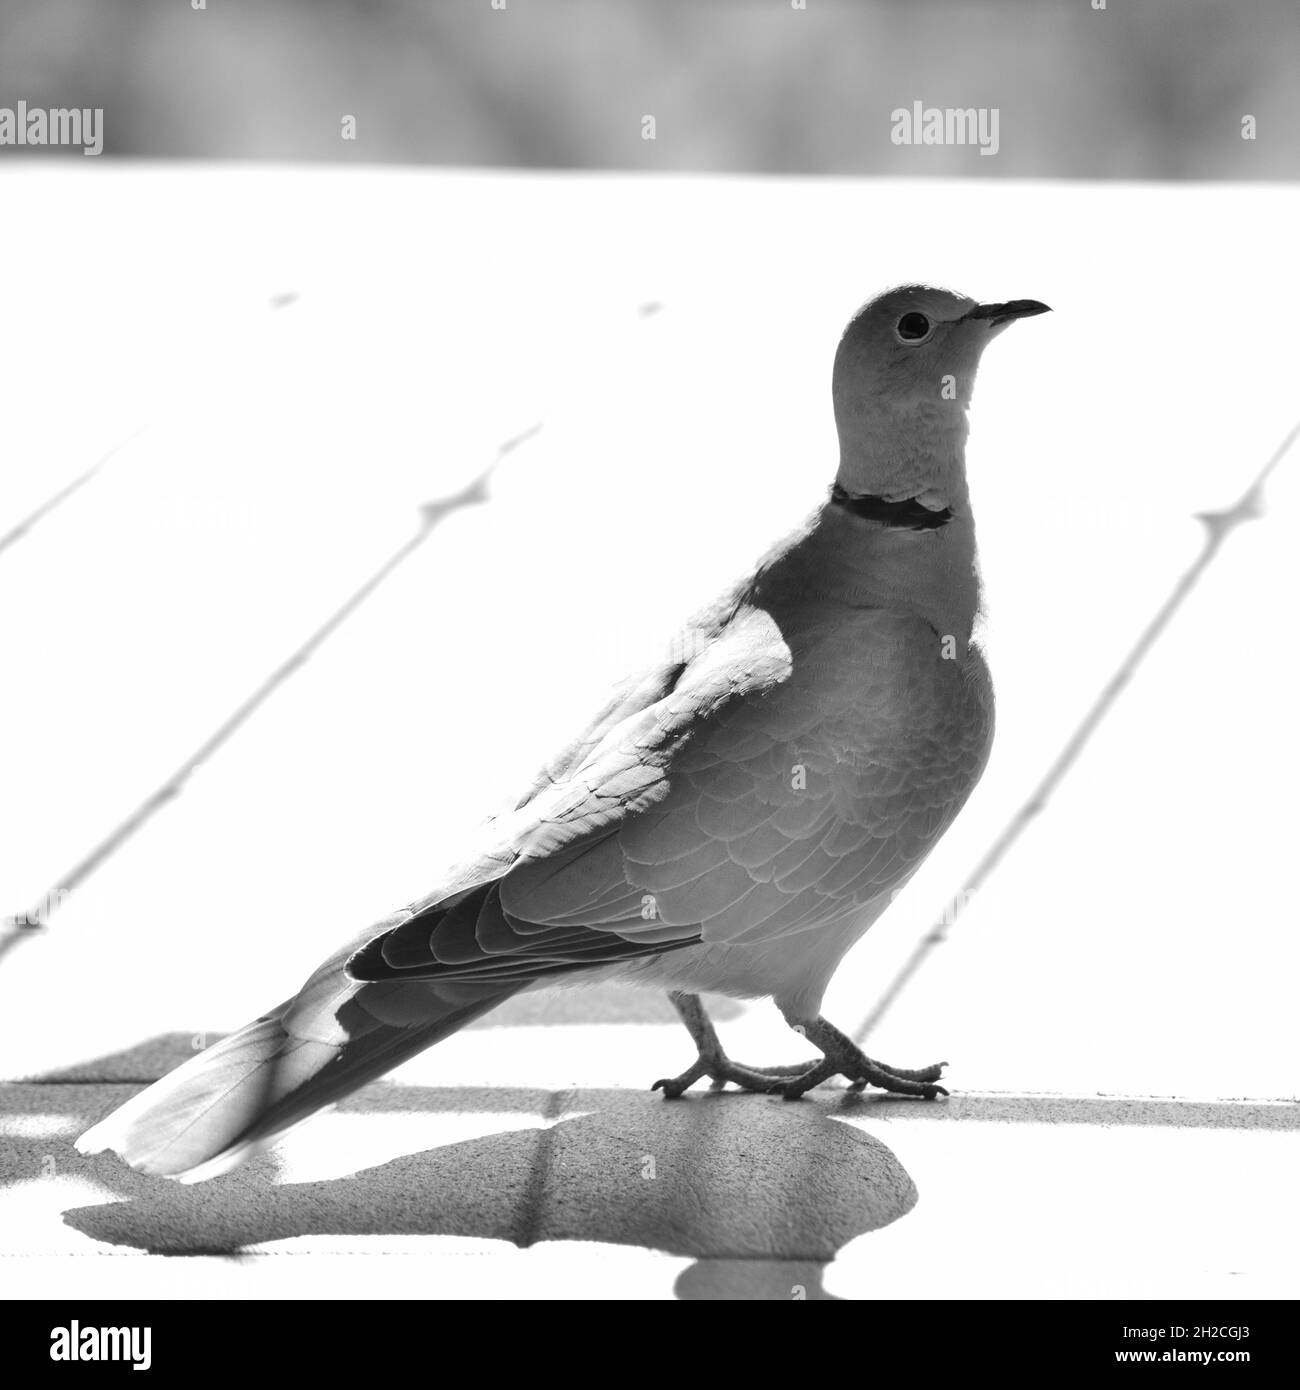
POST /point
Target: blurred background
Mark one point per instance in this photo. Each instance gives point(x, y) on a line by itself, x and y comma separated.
point(1135, 89)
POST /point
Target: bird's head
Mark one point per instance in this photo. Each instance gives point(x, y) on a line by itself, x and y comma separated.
point(903, 377)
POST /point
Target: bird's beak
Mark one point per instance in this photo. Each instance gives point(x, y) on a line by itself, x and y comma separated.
point(998, 315)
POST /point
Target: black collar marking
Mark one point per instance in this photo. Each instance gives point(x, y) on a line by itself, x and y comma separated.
point(907, 515)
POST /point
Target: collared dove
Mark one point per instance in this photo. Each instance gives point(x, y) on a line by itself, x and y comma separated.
point(733, 820)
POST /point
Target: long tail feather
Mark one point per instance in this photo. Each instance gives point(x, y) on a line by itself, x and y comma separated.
point(210, 1113)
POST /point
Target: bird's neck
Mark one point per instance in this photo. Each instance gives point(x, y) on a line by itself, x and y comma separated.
point(904, 450)
point(862, 562)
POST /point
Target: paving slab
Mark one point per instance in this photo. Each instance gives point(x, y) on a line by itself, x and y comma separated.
point(1011, 1195)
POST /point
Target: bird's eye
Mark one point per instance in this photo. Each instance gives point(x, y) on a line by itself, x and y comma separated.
point(912, 328)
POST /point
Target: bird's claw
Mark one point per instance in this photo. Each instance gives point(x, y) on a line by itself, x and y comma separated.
point(793, 1081)
point(861, 1072)
point(720, 1070)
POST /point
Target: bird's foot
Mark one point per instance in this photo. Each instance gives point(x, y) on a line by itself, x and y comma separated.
point(841, 1057)
point(861, 1071)
point(720, 1069)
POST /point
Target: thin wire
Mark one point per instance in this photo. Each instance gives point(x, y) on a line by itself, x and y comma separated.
point(431, 514)
point(18, 531)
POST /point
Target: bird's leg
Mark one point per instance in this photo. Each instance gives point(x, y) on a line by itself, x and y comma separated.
point(844, 1057)
point(713, 1062)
